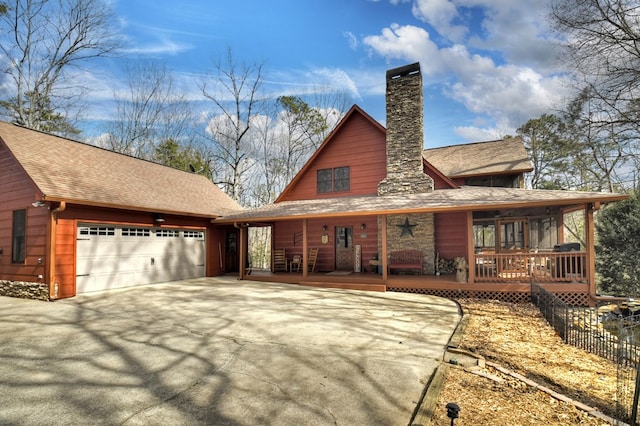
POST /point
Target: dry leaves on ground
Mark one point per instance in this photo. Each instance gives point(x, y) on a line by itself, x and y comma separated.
point(517, 337)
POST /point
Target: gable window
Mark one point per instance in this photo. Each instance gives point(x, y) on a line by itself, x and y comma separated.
point(19, 236)
point(325, 180)
point(334, 180)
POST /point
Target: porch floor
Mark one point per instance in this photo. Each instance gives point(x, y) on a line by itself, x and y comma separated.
point(360, 280)
point(444, 285)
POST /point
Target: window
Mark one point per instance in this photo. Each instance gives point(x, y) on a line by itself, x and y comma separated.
point(334, 180)
point(19, 236)
point(98, 230)
point(341, 179)
point(136, 232)
point(543, 233)
point(484, 235)
point(325, 181)
point(167, 233)
point(512, 234)
point(193, 234)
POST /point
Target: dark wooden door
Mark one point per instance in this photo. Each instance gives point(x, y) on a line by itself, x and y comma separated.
point(344, 248)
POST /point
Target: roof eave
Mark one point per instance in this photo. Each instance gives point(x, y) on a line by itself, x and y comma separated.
point(144, 209)
point(572, 203)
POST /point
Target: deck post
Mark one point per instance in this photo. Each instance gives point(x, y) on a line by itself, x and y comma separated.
point(590, 247)
point(383, 255)
point(243, 253)
point(471, 253)
point(305, 250)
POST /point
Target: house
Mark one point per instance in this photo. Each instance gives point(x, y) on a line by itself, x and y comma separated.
point(382, 213)
point(75, 218)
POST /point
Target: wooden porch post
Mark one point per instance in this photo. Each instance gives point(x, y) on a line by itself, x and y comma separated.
point(590, 246)
point(305, 254)
point(471, 253)
point(383, 243)
point(51, 273)
point(243, 253)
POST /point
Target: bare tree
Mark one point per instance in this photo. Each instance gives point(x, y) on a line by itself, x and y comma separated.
point(149, 111)
point(603, 51)
point(42, 42)
point(235, 93)
point(603, 44)
point(331, 105)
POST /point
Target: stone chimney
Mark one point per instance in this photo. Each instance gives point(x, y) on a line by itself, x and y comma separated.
point(405, 133)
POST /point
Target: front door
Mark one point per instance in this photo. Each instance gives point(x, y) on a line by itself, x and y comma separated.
point(344, 248)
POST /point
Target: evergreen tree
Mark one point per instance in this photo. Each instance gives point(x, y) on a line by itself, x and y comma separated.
point(618, 245)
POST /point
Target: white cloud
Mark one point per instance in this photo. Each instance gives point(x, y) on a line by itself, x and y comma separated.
point(408, 43)
point(478, 134)
point(312, 80)
point(162, 47)
point(440, 14)
point(497, 58)
point(352, 40)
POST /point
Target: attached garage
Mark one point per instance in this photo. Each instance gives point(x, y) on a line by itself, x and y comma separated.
point(110, 257)
point(126, 222)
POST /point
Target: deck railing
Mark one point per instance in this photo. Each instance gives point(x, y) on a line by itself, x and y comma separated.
point(536, 267)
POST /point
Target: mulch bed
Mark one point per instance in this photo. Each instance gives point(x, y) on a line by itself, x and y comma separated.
point(516, 337)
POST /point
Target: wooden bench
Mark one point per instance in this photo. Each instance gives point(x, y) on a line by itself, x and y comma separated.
point(405, 259)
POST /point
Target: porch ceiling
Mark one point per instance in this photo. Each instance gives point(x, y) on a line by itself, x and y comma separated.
point(461, 199)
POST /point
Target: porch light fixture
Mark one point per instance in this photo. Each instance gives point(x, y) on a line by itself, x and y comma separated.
point(548, 211)
point(158, 218)
point(324, 228)
point(38, 203)
point(362, 226)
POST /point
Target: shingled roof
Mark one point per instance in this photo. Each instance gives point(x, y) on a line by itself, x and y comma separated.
point(446, 200)
point(75, 172)
point(505, 156)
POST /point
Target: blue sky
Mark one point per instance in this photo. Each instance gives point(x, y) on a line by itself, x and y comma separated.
point(488, 65)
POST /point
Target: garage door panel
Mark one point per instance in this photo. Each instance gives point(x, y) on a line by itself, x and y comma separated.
point(110, 257)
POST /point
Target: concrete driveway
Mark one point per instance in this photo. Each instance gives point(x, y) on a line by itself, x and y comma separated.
point(222, 352)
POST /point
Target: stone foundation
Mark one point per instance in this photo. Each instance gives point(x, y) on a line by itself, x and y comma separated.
point(24, 290)
point(423, 228)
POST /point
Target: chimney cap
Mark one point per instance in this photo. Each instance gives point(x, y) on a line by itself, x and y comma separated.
point(403, 71)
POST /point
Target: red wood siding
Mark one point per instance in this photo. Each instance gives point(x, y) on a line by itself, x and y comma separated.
point(215, 243)
point(65, 274)
point(439, 180)
point(359, 145)
point(17, 192)
point(451, 235)
point(288, 236)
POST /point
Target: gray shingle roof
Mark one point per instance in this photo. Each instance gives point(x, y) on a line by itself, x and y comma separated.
point(480, 158)
point(66, 170)
point(461, 199)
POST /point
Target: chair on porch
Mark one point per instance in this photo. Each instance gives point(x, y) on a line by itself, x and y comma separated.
point(279, 260)
point(313, 257)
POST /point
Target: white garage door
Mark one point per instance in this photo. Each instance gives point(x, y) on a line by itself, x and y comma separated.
point(109, 257)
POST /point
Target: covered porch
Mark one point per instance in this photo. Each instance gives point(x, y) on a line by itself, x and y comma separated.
point(506, 245)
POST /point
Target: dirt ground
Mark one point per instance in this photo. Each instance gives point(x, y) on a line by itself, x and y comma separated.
point(516, 337)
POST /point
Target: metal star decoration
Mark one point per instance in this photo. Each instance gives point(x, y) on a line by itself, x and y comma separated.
point(407, 228)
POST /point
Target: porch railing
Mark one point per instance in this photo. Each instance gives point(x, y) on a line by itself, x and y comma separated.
point(536, 267)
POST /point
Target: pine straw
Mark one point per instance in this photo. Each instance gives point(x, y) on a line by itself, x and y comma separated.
point(517, 337)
